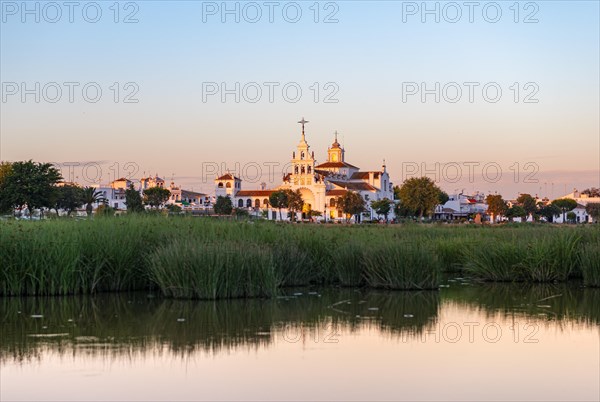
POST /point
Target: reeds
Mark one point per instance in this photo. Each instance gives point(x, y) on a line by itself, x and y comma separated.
point(406, 266)
point(68, 256)
point(589, 260)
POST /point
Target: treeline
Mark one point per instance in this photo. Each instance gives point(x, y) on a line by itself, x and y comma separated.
point(29, 185)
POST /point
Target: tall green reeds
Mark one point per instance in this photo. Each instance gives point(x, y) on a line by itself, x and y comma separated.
point(406, 266)
point(187, 269)
point(69, 256)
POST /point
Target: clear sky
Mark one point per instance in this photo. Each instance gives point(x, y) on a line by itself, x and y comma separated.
point(366, 65)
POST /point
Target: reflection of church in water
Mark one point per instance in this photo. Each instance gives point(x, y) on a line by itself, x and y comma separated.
point(319, 184)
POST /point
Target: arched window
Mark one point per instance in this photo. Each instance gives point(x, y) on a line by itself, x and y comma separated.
point(265, 202)
point(240, 203)
point(308, 170)
point(220, 185)
point(248, 203)
point(332, 202)
point(257, 203)
point(228, 185)
point(302, 155)
point(302, 169)
point(296, 169)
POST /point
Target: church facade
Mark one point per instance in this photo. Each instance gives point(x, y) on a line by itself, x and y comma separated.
point(319, 183)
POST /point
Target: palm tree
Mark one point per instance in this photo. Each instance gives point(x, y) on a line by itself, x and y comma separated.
point(91, 196)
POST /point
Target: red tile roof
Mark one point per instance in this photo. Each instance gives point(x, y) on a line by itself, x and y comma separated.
point(335, 165)
point(228, 176)
point(335, 193)
point(364, 175)
point(360, 186)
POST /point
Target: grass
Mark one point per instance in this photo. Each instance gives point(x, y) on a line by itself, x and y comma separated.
point(211, 258)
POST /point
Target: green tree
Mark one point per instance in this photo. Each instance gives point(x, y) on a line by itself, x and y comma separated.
point(382, 207)
point(571, 217)
point(443, 197)
point(351, 204)
point(528, 203)
point(549, 211)
point(396, 192)
point(420, 194)
point(516, 211)
point(91, 196)
point(278, 199)
point(105, 211)
point(28, 184)
point(156, 196)
point(593, 210)
point(294, 202)
point(133, 200)
point(496, 205)
point(223, 206)
point(240, 213)
point(68, 197)
point(565, 205)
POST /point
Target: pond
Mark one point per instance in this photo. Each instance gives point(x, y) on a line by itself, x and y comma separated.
point(464, 342)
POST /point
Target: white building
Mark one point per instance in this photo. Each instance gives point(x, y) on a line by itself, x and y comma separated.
point(320, 184)
point(580, 212)
point(461, 206)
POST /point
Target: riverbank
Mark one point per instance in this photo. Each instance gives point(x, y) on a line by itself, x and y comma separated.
point(213, 259)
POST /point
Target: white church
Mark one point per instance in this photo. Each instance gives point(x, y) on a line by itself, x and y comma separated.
point(320, 184)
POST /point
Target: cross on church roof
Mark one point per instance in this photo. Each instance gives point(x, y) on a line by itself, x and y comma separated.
point(303, 122)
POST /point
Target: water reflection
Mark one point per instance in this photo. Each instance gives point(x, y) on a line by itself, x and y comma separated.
point(558, 303)
point(111, 324)
point(116, 324)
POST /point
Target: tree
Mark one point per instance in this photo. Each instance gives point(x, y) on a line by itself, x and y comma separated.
point(565, 205)
point(496, 205)
point(91, 196)
point(571, 217)
point(104, 210)
point(396, 192)
point(549, 211)
point(68, 197)
point(223, 206)
point(294, 202)
point(351, 204)
point(593, 210)
point(420, 194)
point(28, 184)
point(591, 192)
point(443, 197)
point(156, 196)
point(528, 203)
point(278, 199)
point(516, 211)
point(240, 213)
point(382, 207)
point(133, 200)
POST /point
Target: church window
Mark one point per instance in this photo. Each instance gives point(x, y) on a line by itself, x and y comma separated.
point(228, 185)
point(302, 170)
point(308, 170)
point(220, 185)
point(240, 203)
point(302, 155)
point(296, 169)
point(301, 182)
point(366, 197)
point(332, 202)
point(257, 203)
point(248, 203)
point(266, 202)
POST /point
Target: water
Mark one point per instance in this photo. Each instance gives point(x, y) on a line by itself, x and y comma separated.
point(465, 342)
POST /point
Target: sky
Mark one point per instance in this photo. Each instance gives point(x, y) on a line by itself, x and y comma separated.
point(493, 97)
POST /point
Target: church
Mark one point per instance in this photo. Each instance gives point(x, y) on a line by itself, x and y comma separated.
point(319, 183)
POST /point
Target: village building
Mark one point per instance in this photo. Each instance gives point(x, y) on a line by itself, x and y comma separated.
point(320, 184)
